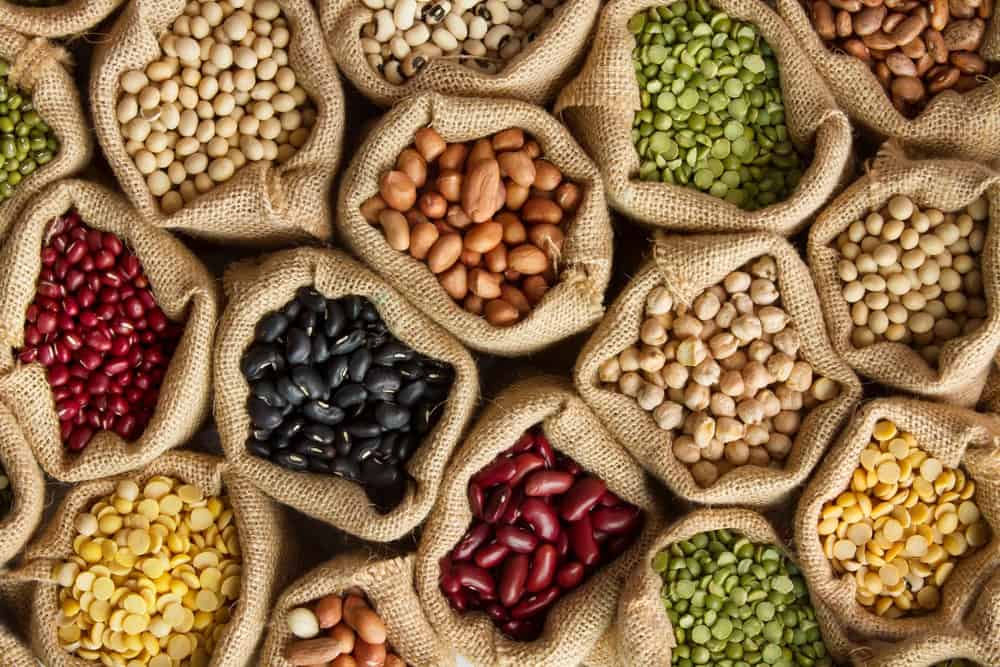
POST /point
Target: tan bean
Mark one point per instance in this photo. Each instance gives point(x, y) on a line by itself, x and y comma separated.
point(869, 20)
point(470, 258)
point(453, 157)
point(449, 183)
point(915, 50)
point(411, 163)
point(858, 49)
point(516, 298)
point(444, 253)
point(398, 191)
point(371, 207)
point(823, 20)
point(943, 80)
point(547, 176)
point(514, 232)
point(936, 47)
point(939, 14)
point(433, 205)
point(369, 655)
point(344, 661)
point(455, 281)
point(516, 195)
point(511, 139)
point(547, 237)
point(541, 210)
point(482, 190)
point(396, 229)
point(518, 167)
point(484, 284)
point(484, 237)
point(422, 236)
point(499, 313)
point(527, 259)
point(568, 196)
point(908, 88)
point(473, 304)
point(908, 30)
point(429, 143)
point(534, 288)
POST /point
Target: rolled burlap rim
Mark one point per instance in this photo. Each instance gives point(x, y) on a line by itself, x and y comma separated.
point(946, 184)
point(686, 266)
point(601, 102)
point(534, 75)
point(263, 203)
point(966, 124)
point(41, 68)
point(387, 582)
point(183, 289)
point(264, 536)
point(260, 286)
point(576, 622)
point(574, 302)
point(27, 484)
point(69, 19)
point(956, 437)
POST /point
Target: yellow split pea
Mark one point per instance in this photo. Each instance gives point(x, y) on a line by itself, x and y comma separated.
point(902, 525)
point(153, 579)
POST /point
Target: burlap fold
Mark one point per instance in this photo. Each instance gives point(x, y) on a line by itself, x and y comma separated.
point(577, 621)
point(387, 583)
point(183, 289)
point(687, 265)
point(255, 289)
point(43, 70)
point(27, 484)
point(15, 613)
point(600, 105)
point(71, 18)
point(954, 436)
point(965, 124)
point(574, 302)
point(263, 203)
point(535, 75)
point(945, 184)
point(990, 399)
point(642, 629)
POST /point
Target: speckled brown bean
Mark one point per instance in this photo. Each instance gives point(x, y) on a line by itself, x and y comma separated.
point(968, 62)
point(945, 79)
point(900, 65)
point(908, 88)
point(857, 48)
point(869, 20)
point(939, 14)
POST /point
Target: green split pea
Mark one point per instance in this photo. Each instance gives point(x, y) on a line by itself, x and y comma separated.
point(712, 112)
point(26, 141)
point(733, 603)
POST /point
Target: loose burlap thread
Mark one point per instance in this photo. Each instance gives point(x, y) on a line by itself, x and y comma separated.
point(956, 437)
point(256, 289)
point(183, 289)
point(574, 302)
point(40, 68)
point(966, 124)
point(945, 184)
point(264, 537)
point(576, 622)
point(643, 631)
point(69, 19)
point(387, 582)
point(600, 106)
point(27, 484)
point(534, 75)
point(686, 266)
point(264, 203)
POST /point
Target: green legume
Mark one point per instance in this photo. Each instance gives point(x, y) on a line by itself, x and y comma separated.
point(712, 83)
point(732, 602)
point(26, 141)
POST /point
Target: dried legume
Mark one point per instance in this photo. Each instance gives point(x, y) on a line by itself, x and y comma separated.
point(902, 525)
point(733, 602)
point(154, 578)
point(712, 114)
point(26, 141)
point(345, 630)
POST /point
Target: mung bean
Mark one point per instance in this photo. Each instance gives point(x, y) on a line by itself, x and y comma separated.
point(26, 141)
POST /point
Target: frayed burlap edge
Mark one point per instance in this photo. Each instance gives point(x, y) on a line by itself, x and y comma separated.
point(69, 19)
point(27, 483)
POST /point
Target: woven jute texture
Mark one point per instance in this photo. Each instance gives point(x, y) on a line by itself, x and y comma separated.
point(945, 184)
point(600, 105)
point(955, 436)
point(572, 305)
point(27, 484)
point(42, 69)
point(577, 621)
point(183, 289)
point(990, 398)
point(953, 123)
point(65, 20)
point(687, 265)
point(387, 582)
point(642, 629)
point(263, 203)
point(534, 75)
point(15, 612)
point(265, 541)
point(255, 289)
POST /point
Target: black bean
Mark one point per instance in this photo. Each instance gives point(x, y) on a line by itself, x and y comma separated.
point(346, 468)
point(318, 433)
point(393, 352)
point(347, 343)
point(335, 321)
point(387, 498)
point(350, 395)
point(323, 412)
point(307, 321)
point(258, 448)
point(342, 441)
point(315, 450)
point(297, 346)
point(271, 328)
point(406, 445)
point(261, 434)
point(290, 391)
point(436, 393)
point(291, 460)
point(422, 421)
point(266, 391)
point(352, 306)
point(320, 348)
point(320, 466)
point(411, 392)
point(376, 473)
point(381, 379)
point(259, 360)
point(369, 313)
point(360, 362)
point(263, 415)
point(311, 299)
point(364, 448)
point(410, 370)
point(363, 429)
point(279, 441)
point(437, 373)
point(291, 427)
point(292, 309)
point(391, 416)
point(387, 446)
point(309, 380)
point(336, 371)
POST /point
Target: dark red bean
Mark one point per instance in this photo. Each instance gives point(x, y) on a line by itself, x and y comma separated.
point(535, 604)
point(541, 517)
point(476, 578)
point(526, 463)
point(473, 539)
point(543, 568)
point(513, 511)
point(581, 541)
point(476, 499)
point(79, 438)
point(497, 503)
point(459, 600)
point(615, 520)
point(498, 472)
point(544, 449)
point(524, 630)
point(547, 483)
point(516, 539)
point(496, 612)
point(609, 499)
point(512, 579)
point(490, 555)
point(619, 544)
point(570, 575)
point(562, 545)
point(581, 498)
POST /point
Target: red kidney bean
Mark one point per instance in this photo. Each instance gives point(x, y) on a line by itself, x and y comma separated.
point(547, 483)
point(535, 604)
point(581, 498)
point(619, 544)
point(543, 568)
point(525, 464)
point(498, 472)
point(522, 629)
point(473, 539)
point(541, 517)
point(615, 520)
point(459, 600)
point(497, 612)
point(524, 443)
point(490, 555)
point(476, 499)
point(476, 578)
point(562, 544)
point(544, 449)
point(570, 575)
point(609, 499)
point(571, 466)
point(516, 539)
point(497, 503)
point(513, 511)
point(582, 542)
point(512, 579)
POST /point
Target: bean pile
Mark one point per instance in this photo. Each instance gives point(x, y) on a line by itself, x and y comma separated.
point(727, 373)
point(913, 276)
point(6, 493)
point(486, 216)
point(542, 526)
point(26, 141)
point(916, 49)
point(332, 391)
point(95, 326)
point(902, 525)
point(154, 578)
point(344, 630)
point(712, 114)
point(404, 35)
point(733, 602)
point(221, 95)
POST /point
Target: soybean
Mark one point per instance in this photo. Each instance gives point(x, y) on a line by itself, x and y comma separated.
point(26, 141)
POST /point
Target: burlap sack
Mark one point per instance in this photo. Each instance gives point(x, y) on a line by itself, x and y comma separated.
point(600, 105)
point(956, 437)
point(183, 289)
point(572, 305)
point(15, 614)
point(535, 75)
point(15, 654)
point(26, 483)
point(264, 203)
point(71, 18)
point(990, 399)
point(966, 124)
point(642, 629)
point(945, 184)
point(687, 265)
point(388, 584)
point(42, 69)
point(265, 541)
point(577, 622)
point(256, 289)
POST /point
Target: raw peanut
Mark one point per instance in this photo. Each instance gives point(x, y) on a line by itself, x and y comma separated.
point(513, 230)
point(549, 238)
point(453, 157)
point(470, 258)
point(450, 184)
point(481, 189)
point(484, 236)
point(532, 149)
point(369, 655)
point(344, 634)
point(541, 210)
point(344, 661)
point(517, 166)
point(371, 207)
point(843, 22)
point(393, 660)
point(398, 191)
point(313, 651)
point(822, 16)
point(445, 252)
point(484, 284)
point(496, 259)
point(473, 304)
point(455, 281)
point(527, 259)
point(422, 237)
point(508, 140)
point(396, 229)
point(433, 205)
point(516, 195)
point(567, 195)
point(499, 313)
point(516, 298)
point(457, 218)
point(534, 288)
point(329, 611)
point(482, 149)
point(429, 143)
point(547, 176)
point(413, 165)
point(365, 622)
